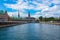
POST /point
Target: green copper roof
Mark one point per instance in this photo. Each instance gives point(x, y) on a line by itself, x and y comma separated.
point(2, 12)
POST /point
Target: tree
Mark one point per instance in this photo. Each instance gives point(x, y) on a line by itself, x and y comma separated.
point(40, 18)
point(51, 19)
point(46, 19)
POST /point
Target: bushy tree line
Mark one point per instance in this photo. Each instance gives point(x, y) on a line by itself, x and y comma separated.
point(48, 19)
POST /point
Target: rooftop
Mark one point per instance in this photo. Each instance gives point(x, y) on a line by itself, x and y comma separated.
point(2, 12)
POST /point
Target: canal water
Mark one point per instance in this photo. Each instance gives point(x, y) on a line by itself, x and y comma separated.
point(31, 31)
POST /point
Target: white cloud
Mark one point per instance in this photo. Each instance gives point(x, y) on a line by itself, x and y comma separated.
point(50, 9)
point(24, 5)
point(46, 10)
point(15, 14)
point(56, 1)
point(20, 5)
point(39, 6)
point(17, 6)
point(10, 14)
point(36, 15)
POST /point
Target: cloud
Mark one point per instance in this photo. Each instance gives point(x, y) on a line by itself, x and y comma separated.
point(15, 14)
point(24, 5)
point(50, 9)
point(56, 1)
point(36, 5)
point(20, 5)
point(37, 14)
point(17, 6)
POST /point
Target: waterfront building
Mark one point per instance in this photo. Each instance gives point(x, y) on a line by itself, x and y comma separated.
point(3, 16)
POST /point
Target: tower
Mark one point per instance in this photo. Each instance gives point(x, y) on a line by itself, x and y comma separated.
point(29, 14)
point(18, 14)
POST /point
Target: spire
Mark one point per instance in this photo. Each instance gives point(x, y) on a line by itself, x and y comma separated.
point(29, 14)
point(18, 14)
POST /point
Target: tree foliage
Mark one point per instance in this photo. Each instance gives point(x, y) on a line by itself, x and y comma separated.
point(48, 19)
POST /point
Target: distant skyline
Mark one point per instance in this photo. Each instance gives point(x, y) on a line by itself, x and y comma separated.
point(45, 8)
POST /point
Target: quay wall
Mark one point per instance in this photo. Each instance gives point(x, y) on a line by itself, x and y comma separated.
point(11, 23)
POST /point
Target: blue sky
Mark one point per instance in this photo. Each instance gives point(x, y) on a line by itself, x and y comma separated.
point(45, 8)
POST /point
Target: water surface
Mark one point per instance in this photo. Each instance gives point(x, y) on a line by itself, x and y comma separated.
point(31, 31)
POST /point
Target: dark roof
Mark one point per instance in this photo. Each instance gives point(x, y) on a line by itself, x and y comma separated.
point(2, 12)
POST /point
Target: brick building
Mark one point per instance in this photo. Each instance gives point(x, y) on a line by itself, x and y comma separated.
point(3, 16)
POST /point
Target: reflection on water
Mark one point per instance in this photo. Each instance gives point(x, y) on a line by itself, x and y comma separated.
point(31, 31)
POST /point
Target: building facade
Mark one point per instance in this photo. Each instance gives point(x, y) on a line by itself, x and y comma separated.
point(3, 16)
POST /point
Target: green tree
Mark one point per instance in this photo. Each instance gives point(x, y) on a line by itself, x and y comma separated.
point(40, 18)
point(51, 19)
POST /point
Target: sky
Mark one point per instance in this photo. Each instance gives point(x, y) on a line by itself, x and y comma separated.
point(37, 8)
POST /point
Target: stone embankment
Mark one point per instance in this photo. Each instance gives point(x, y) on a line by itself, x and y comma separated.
point(11, 23)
